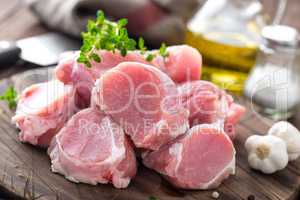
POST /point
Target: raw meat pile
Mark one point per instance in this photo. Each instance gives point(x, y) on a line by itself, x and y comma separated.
point(93, 119)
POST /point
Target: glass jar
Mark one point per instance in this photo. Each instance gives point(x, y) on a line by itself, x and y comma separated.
point(273, 83)
point(227, 34)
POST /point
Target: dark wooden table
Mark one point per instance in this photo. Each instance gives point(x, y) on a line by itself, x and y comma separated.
point(16, 21)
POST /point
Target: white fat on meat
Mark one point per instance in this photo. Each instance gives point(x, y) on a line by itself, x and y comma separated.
point(200, 159)
point(144, 102)
point(42, 110)
point(92, 149)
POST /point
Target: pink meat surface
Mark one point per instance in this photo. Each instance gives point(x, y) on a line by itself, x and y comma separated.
point(205, 101)
point(182, 64)
point(234, 114)
point(209, 104)
point(200, 159)
point(144, 101)
point(42, 110)
point(92, 149)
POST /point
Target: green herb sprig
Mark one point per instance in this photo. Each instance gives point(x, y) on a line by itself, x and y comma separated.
point(10, 96)
point(111, 36)
point(162, 51)
point(142, 47)
point(153, 198)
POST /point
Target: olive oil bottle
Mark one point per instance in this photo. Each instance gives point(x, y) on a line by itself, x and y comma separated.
point(227, 34)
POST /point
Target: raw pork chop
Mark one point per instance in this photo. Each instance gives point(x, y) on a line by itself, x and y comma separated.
point(93, 149)
point(42, 110)
point(182, 64)
point(200, 159)
point(209, 104)
point(144, 101)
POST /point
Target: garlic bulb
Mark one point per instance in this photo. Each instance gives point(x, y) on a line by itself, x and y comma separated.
point(290, 135)
point(266, 153)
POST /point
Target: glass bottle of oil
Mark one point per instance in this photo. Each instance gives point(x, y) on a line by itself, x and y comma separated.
point(227, 34)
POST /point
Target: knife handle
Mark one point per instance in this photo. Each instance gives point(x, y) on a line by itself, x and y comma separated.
point(9, 53)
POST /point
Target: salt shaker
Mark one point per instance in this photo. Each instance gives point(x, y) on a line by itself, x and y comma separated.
point(273, 82)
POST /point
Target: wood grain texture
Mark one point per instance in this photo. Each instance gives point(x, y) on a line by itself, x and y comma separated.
point(25, 170)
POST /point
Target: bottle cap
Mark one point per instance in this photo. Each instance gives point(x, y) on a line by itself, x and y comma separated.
point(281, 35)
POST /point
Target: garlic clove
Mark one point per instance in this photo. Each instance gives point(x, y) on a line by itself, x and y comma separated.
point(266, 153)
point(290, 135)
point(279, 156)
point(268, 167)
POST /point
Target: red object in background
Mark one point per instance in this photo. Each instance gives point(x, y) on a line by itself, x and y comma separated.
point(143, 17)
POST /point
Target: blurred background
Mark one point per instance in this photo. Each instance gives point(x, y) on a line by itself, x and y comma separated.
point(17, 14)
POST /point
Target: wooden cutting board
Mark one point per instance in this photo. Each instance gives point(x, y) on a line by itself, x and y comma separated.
point(25, 169)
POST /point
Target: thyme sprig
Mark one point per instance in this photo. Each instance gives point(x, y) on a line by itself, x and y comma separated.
point(10, 96)
point(111, 36)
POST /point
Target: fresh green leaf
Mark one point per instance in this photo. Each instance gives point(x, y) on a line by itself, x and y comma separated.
point(10, 96)
point(100, 16)
point(141, 44)
point(122, 22)
point(81, 59)
point(111, 36)
point(96, 58)
point(153, 198)
point(149, 57)
point(163, 50)
point(123, 52)
point(88, 64)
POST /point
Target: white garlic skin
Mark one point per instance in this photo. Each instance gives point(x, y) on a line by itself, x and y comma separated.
point(290, 134)
point(276, 158)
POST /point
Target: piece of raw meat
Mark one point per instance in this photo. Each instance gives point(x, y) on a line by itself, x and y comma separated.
point(205, 102)
point(42, 110)
point(144, 101)
point(182, 64)
point(200, 159)
point(92, 149)
point(235, 113)
point(209, 104)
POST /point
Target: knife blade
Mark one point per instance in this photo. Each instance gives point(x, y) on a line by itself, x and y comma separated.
point(42, 50)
